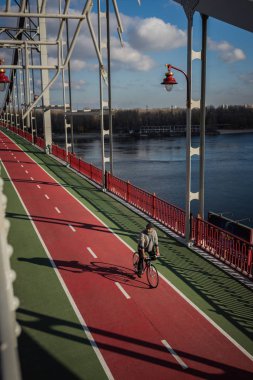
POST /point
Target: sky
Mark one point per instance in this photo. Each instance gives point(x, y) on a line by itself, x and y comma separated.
point(155, 34)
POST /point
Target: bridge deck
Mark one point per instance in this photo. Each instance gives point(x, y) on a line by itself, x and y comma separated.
point(71, 278)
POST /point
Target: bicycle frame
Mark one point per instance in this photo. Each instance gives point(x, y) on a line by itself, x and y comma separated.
point(149, 268)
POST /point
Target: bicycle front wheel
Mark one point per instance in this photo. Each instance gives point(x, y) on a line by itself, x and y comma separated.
point(135, 261)
point(152, 276)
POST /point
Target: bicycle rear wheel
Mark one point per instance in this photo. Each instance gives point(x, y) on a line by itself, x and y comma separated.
point(152, 276)
point(135, 261)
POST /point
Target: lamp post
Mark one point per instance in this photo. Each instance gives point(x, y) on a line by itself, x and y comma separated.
point(169, 81)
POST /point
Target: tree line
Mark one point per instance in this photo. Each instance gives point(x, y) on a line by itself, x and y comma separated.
point(223, 117)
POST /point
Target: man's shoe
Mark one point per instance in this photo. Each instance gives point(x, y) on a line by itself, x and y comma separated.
point(139, 274)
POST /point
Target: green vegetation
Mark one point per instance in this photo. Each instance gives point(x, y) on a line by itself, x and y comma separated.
point(223, 117)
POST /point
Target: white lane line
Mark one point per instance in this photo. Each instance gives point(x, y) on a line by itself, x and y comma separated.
point(38, 186)
point(12, 154)
point(122, 290)
point(32, 178)
point(15, 157)
point(72, 228)
point(22, 166)
point(26, 171)
point(174, 354)
point(46, 196)
point(92, 253)
point(56, 208)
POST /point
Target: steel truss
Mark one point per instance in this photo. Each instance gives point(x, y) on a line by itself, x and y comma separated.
point(30, 43)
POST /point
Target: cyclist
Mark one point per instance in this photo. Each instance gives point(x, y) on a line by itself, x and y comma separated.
point(148, 242)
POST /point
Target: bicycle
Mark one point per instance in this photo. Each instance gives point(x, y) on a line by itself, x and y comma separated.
point(148, 267)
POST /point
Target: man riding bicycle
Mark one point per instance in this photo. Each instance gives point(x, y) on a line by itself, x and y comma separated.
point(148, 242)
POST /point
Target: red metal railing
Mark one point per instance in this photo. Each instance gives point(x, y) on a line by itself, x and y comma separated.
point(171, 216)
point(118, 187)
point(39, 141)
point(21, 133)
point(228, 248)
point(86, 169)
point(234, 251)
point(167, 214)
point(26, 135)
point(96, 175)
point(90, 171)
point(59, 152)
point(74, 162)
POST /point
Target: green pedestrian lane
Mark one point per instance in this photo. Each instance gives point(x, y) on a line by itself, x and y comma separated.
point(52, 337)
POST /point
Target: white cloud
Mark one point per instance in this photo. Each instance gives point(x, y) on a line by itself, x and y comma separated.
point(78, 85)
point(129, 58)
point(152, 34)
point(77, 64)
point(75, 85)
point(140, 35)
point(236, 55)
point(227, 52)
point(247, 78)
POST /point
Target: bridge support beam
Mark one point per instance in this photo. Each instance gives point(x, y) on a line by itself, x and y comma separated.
point(202, 120)
point(47, 125)
point(189, 9)
point(105, 104)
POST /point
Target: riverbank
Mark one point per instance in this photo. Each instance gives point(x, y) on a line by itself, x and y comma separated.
point(233, 131)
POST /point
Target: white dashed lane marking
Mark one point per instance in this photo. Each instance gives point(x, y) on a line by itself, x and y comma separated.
point(72, 228)
point(122, 290)
point(174, 354)
point(92, 253)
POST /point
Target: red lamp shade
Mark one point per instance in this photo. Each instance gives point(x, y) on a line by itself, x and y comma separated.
point(169, 81)
point(3, 80)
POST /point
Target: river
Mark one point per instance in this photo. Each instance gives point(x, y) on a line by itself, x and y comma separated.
point(158, 166)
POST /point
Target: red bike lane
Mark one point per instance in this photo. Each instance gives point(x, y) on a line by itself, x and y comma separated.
point(135, 328)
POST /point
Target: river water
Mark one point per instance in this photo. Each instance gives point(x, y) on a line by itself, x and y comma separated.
point(158, 166)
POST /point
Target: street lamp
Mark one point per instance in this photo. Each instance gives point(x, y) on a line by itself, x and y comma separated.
point(169, 81)
point(3, 78)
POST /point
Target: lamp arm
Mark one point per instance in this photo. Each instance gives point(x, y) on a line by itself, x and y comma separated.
point(176, 68)
point(188, 101)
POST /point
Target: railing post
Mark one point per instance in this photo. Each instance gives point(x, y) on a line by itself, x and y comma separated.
point(107, 178)
point(196, 240)
point(249, 264)
point(191, 228)
point(128, 191)
point(90, 171)
point(154, 206)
